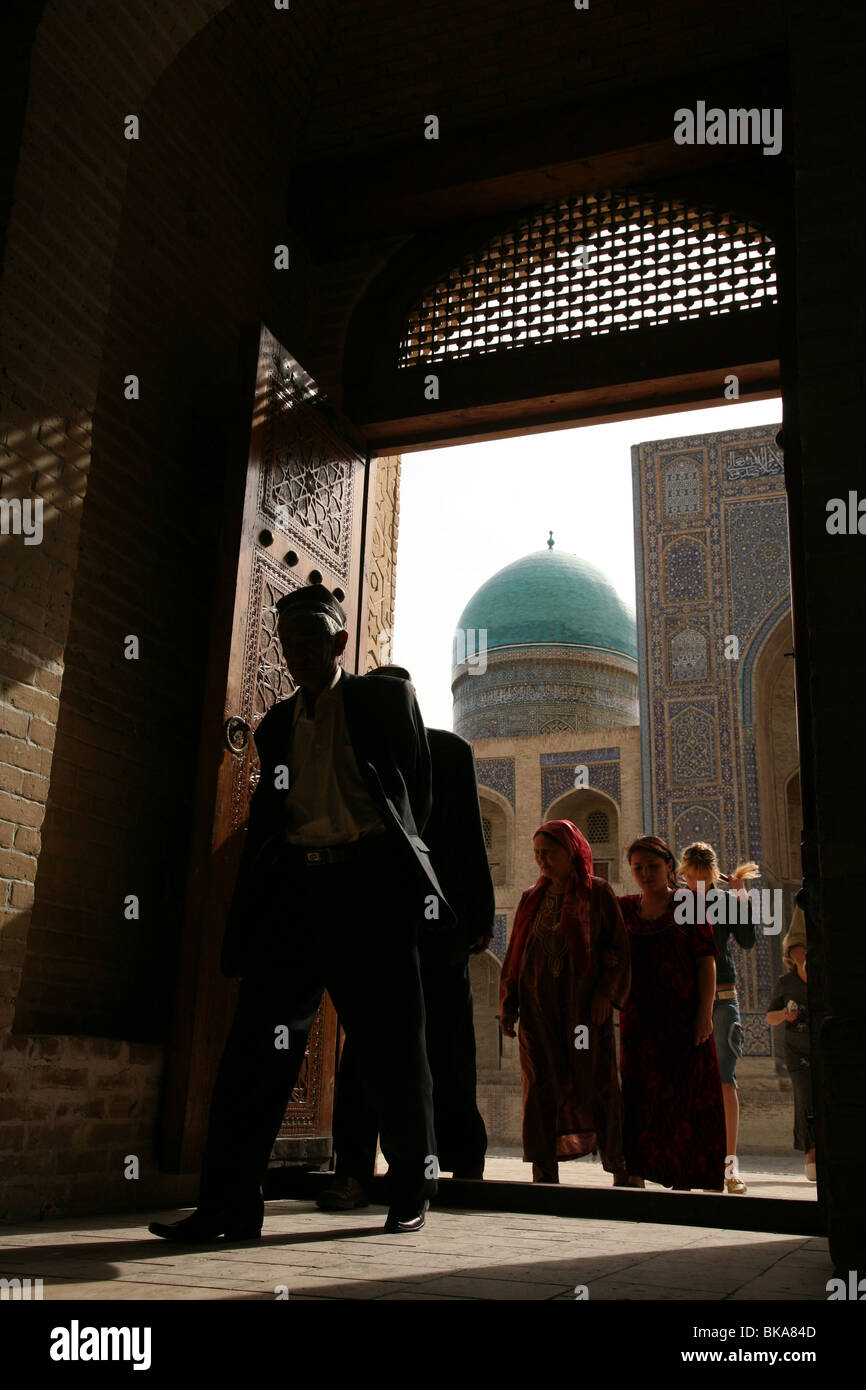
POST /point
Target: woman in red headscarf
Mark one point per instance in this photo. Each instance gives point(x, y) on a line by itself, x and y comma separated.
point(674, 1120)
point(554, 979)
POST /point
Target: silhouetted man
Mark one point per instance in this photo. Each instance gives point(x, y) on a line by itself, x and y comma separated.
point(333, 884)
point(455, 838)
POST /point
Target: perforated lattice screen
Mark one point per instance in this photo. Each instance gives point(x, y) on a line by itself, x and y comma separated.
point(597, 827)
point(595, 264)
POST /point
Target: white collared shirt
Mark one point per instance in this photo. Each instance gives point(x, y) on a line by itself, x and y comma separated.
point(327, 802)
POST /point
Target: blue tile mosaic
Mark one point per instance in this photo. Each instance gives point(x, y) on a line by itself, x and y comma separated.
point(500, 936)
point(498, 774)
point(685, 570)
point(692, 739)
point(724, 493)
point(688, 655)
point(682, 485)
point(526, 691)
point(557, 777)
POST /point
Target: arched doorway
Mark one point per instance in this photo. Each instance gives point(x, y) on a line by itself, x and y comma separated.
point(497, 820)
point(597, 816)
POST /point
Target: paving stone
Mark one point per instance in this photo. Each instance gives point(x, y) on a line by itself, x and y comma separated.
point(606, 1290)
point(73, 1290)
point(721, 1276)
point(342, 1289)
point(460, 1256)
point(779, 1284)
point(498, 1289)
point(413, 1291)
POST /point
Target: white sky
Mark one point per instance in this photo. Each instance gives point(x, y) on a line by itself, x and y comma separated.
point(467, 511)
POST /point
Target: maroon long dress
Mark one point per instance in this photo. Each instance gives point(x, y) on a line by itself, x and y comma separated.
point(673, 1114)
point(571, 1096)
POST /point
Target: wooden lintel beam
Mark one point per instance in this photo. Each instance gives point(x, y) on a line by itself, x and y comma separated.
point(596, 405)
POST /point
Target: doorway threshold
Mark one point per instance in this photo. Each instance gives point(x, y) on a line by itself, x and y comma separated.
point(720, 1212)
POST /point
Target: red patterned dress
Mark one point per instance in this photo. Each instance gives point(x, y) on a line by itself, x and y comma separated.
point(673, 1115)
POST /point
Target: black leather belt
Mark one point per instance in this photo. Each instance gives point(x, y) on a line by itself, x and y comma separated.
point(316, 856)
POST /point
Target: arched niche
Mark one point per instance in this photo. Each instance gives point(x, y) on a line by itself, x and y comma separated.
point(597, 816)
point(682, 490)
point(497, 819)
point(689, 654)
point(684, 570)
point(491, 1050)
point(697, 823)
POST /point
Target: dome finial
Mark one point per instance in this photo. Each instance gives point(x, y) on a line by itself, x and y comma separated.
point(550, 541)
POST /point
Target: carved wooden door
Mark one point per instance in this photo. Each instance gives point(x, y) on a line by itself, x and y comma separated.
point(302, 497)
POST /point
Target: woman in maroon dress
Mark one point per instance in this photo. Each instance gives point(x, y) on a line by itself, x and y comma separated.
point(557, 981)
point(674, 1120)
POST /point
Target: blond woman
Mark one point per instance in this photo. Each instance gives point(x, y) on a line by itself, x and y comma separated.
point(699, 864)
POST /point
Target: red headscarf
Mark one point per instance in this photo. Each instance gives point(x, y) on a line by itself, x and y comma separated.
point(575, 908)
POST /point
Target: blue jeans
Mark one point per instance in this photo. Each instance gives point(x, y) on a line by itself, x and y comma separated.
point(728, 1037)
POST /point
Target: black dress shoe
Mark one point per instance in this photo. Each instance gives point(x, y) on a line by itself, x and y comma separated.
point(406, 1216)
point(205, 1227)
point(471, 1173)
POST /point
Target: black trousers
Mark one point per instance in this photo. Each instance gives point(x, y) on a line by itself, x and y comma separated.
point(800, 1072)
point(461, 1138)
point(349, 928)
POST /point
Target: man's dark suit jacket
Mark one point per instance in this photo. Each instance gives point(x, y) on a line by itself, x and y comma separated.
point(390, 744)
point(455, 835)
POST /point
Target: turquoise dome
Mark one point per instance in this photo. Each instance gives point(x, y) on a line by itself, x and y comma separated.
point(550, 597)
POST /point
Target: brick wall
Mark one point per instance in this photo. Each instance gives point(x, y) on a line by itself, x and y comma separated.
point(55, 305)
point(72, 1112)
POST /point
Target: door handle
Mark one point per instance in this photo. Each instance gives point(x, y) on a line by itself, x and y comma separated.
point(237, 733)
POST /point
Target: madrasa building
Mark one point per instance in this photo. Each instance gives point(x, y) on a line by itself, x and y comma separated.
point(677, 720)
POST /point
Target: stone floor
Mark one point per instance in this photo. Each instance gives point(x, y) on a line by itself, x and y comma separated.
point(765, 1175)
point(460, 1255)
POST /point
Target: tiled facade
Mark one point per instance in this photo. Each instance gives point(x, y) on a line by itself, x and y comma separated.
point(713, 584)
point(498, 774)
